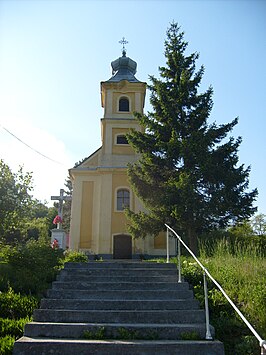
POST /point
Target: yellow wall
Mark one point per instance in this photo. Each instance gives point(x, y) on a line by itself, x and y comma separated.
point(111, 92)
point(118, 148)
point(94, 160)
point(160, 241)
point(119, 220)
point(116, 97)
point(86, 215)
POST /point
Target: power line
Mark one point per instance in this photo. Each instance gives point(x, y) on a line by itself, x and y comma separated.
point(27, 145)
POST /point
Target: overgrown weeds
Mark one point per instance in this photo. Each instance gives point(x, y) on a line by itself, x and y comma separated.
point(241, 271)
point(100, 333)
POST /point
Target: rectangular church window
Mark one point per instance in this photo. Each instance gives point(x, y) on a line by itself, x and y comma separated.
point(121, 139)
point(123, 199)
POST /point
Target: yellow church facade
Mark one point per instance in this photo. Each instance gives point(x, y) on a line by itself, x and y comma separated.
point(101, 189)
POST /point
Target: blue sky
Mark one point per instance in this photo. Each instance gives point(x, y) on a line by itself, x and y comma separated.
point(54, 54)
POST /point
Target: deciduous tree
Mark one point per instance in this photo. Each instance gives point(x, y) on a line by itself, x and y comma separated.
point(15, 201)
point(259, 224)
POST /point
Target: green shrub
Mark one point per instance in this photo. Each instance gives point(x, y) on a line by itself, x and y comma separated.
point(15, 306)
point(229, 330)
point(74, 256)
point(12, 327)
point(30, 268)
point(6, 345)
point(5, 251)
point(247, 345)
point(192, 272)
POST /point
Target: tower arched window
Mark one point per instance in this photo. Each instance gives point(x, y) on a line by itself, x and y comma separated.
point(121, 139)
point(122, 199)
point(124, 104)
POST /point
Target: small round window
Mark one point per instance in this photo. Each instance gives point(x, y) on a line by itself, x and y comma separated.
point(124, 104)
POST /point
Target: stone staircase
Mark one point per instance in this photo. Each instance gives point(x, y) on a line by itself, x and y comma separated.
point(118, 307)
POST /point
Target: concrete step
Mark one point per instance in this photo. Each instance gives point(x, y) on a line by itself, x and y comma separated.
point(37, 346)
point(83, 276)
point(95, 304)
point(139, 272)
point(114, 331)
point(120, 295)
point(124, 316)
point(119, 265)
point(86, 285)
point(124, 299)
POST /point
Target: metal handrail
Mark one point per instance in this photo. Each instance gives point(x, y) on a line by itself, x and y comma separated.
point(262, 342)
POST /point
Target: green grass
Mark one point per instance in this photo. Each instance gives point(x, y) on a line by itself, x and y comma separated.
point(241, 271)
point(240, 268)
point(243, 275)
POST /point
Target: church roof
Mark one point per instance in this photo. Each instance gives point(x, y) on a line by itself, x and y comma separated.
point(123, 68)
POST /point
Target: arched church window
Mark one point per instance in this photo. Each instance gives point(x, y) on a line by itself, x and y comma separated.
point(122, 199)
point(121, 139)
point(124, 104)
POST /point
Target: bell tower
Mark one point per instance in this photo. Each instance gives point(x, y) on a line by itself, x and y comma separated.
point(121, 96)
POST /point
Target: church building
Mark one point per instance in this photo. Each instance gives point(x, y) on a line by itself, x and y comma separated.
point(101, 189)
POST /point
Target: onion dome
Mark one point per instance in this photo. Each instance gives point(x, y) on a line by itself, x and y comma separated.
point(123, 68)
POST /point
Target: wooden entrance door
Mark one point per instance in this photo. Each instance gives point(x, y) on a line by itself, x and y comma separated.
point(122, 247)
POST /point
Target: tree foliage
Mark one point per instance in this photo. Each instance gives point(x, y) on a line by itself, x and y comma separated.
point(15, 201)
point(21, 216)
point(28, 268)
point(258, 223)
point(188, 174)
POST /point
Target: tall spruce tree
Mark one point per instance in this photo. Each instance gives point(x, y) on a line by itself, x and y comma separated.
point(188, 173)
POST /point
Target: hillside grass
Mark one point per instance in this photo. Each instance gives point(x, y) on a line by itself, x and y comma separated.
point(241, 271)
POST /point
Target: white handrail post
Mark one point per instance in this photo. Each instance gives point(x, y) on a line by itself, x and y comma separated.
point(263, 347)
point(208, 332)
point(179, 260)
point(167, 245)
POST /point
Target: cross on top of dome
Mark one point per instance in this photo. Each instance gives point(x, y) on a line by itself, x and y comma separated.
point(123, 42)
point(123, 68)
